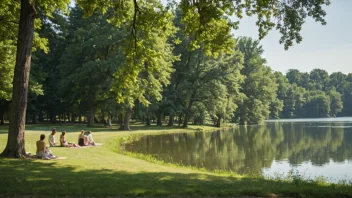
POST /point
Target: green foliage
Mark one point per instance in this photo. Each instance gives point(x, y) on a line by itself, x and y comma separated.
point(7, 63)
point(89, 62)
point(336, 104)
point(149, 57)
point(9, 12)
point(259, 86)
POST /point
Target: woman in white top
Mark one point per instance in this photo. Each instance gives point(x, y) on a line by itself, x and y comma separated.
point(90, 138)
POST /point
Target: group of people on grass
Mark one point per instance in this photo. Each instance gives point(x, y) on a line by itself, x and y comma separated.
point(44, 152)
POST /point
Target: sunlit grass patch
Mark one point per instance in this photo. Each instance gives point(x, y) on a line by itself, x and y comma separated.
point(104, 171)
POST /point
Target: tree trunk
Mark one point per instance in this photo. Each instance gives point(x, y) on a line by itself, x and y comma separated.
point(15, 143)
point(80, 117)
point(158, 121)
point(171, 121)
point(218, 122)
point(121, 121)
point(126, 124)
point(54, 118)
point(90, 117)
point(188, 110)
point(179, 120)
point(147, 119)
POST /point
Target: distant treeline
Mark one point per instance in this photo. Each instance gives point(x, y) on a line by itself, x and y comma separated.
point(85, 77)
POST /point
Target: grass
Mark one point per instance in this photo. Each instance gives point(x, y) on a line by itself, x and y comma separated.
point(101, 171)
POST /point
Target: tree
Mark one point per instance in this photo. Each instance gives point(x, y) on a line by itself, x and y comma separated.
point(336, 104)
point(277, 105)
point(90, 60)
point(15, 146)
point(317, 104)
point(259, 86)
point(319, 80)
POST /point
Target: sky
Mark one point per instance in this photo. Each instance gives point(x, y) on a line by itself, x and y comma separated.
point(326, 47)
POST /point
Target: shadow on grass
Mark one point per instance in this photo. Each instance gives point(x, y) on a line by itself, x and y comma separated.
point(36, 177)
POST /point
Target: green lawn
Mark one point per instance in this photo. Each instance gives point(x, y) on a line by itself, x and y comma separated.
point(99, 171)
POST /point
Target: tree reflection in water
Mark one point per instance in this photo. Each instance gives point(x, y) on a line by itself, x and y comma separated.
point(249, 149)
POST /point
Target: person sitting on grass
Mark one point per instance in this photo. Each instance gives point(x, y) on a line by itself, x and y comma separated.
point(42, 151)
point(52, 141)
point(64, 143)
point(90, 139)
point(82, 139)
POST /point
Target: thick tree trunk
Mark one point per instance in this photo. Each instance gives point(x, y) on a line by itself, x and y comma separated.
point(15, 143)
point(147, 119)
point(171, 121)
point(188, 110)
point(90, 117)
point(126, 123)
point(121, 121)
point(158, 121)
point(80, 117)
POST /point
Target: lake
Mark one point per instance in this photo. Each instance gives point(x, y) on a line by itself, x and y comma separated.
point(308, 147)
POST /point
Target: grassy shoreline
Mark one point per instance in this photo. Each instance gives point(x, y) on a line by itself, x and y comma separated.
point(101, 171)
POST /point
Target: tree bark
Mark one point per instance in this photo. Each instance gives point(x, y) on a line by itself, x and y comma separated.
point(80, 117)
point(121, 121)
point(171, 121)
point(15, 146)
point(158, 121)
point(126, 124)
point(90, 116)
point(147, 119)
point(188, 110)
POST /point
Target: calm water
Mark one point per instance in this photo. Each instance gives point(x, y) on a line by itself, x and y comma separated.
point(317, 148)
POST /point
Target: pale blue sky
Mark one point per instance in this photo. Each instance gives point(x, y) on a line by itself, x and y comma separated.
point(326, 47)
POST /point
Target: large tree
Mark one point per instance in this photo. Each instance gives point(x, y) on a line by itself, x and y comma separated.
point(206, 19)
point(90, 61)
point(259, 86)
point(28, 12)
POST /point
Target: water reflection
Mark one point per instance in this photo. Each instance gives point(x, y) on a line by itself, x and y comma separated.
point(254, 149)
